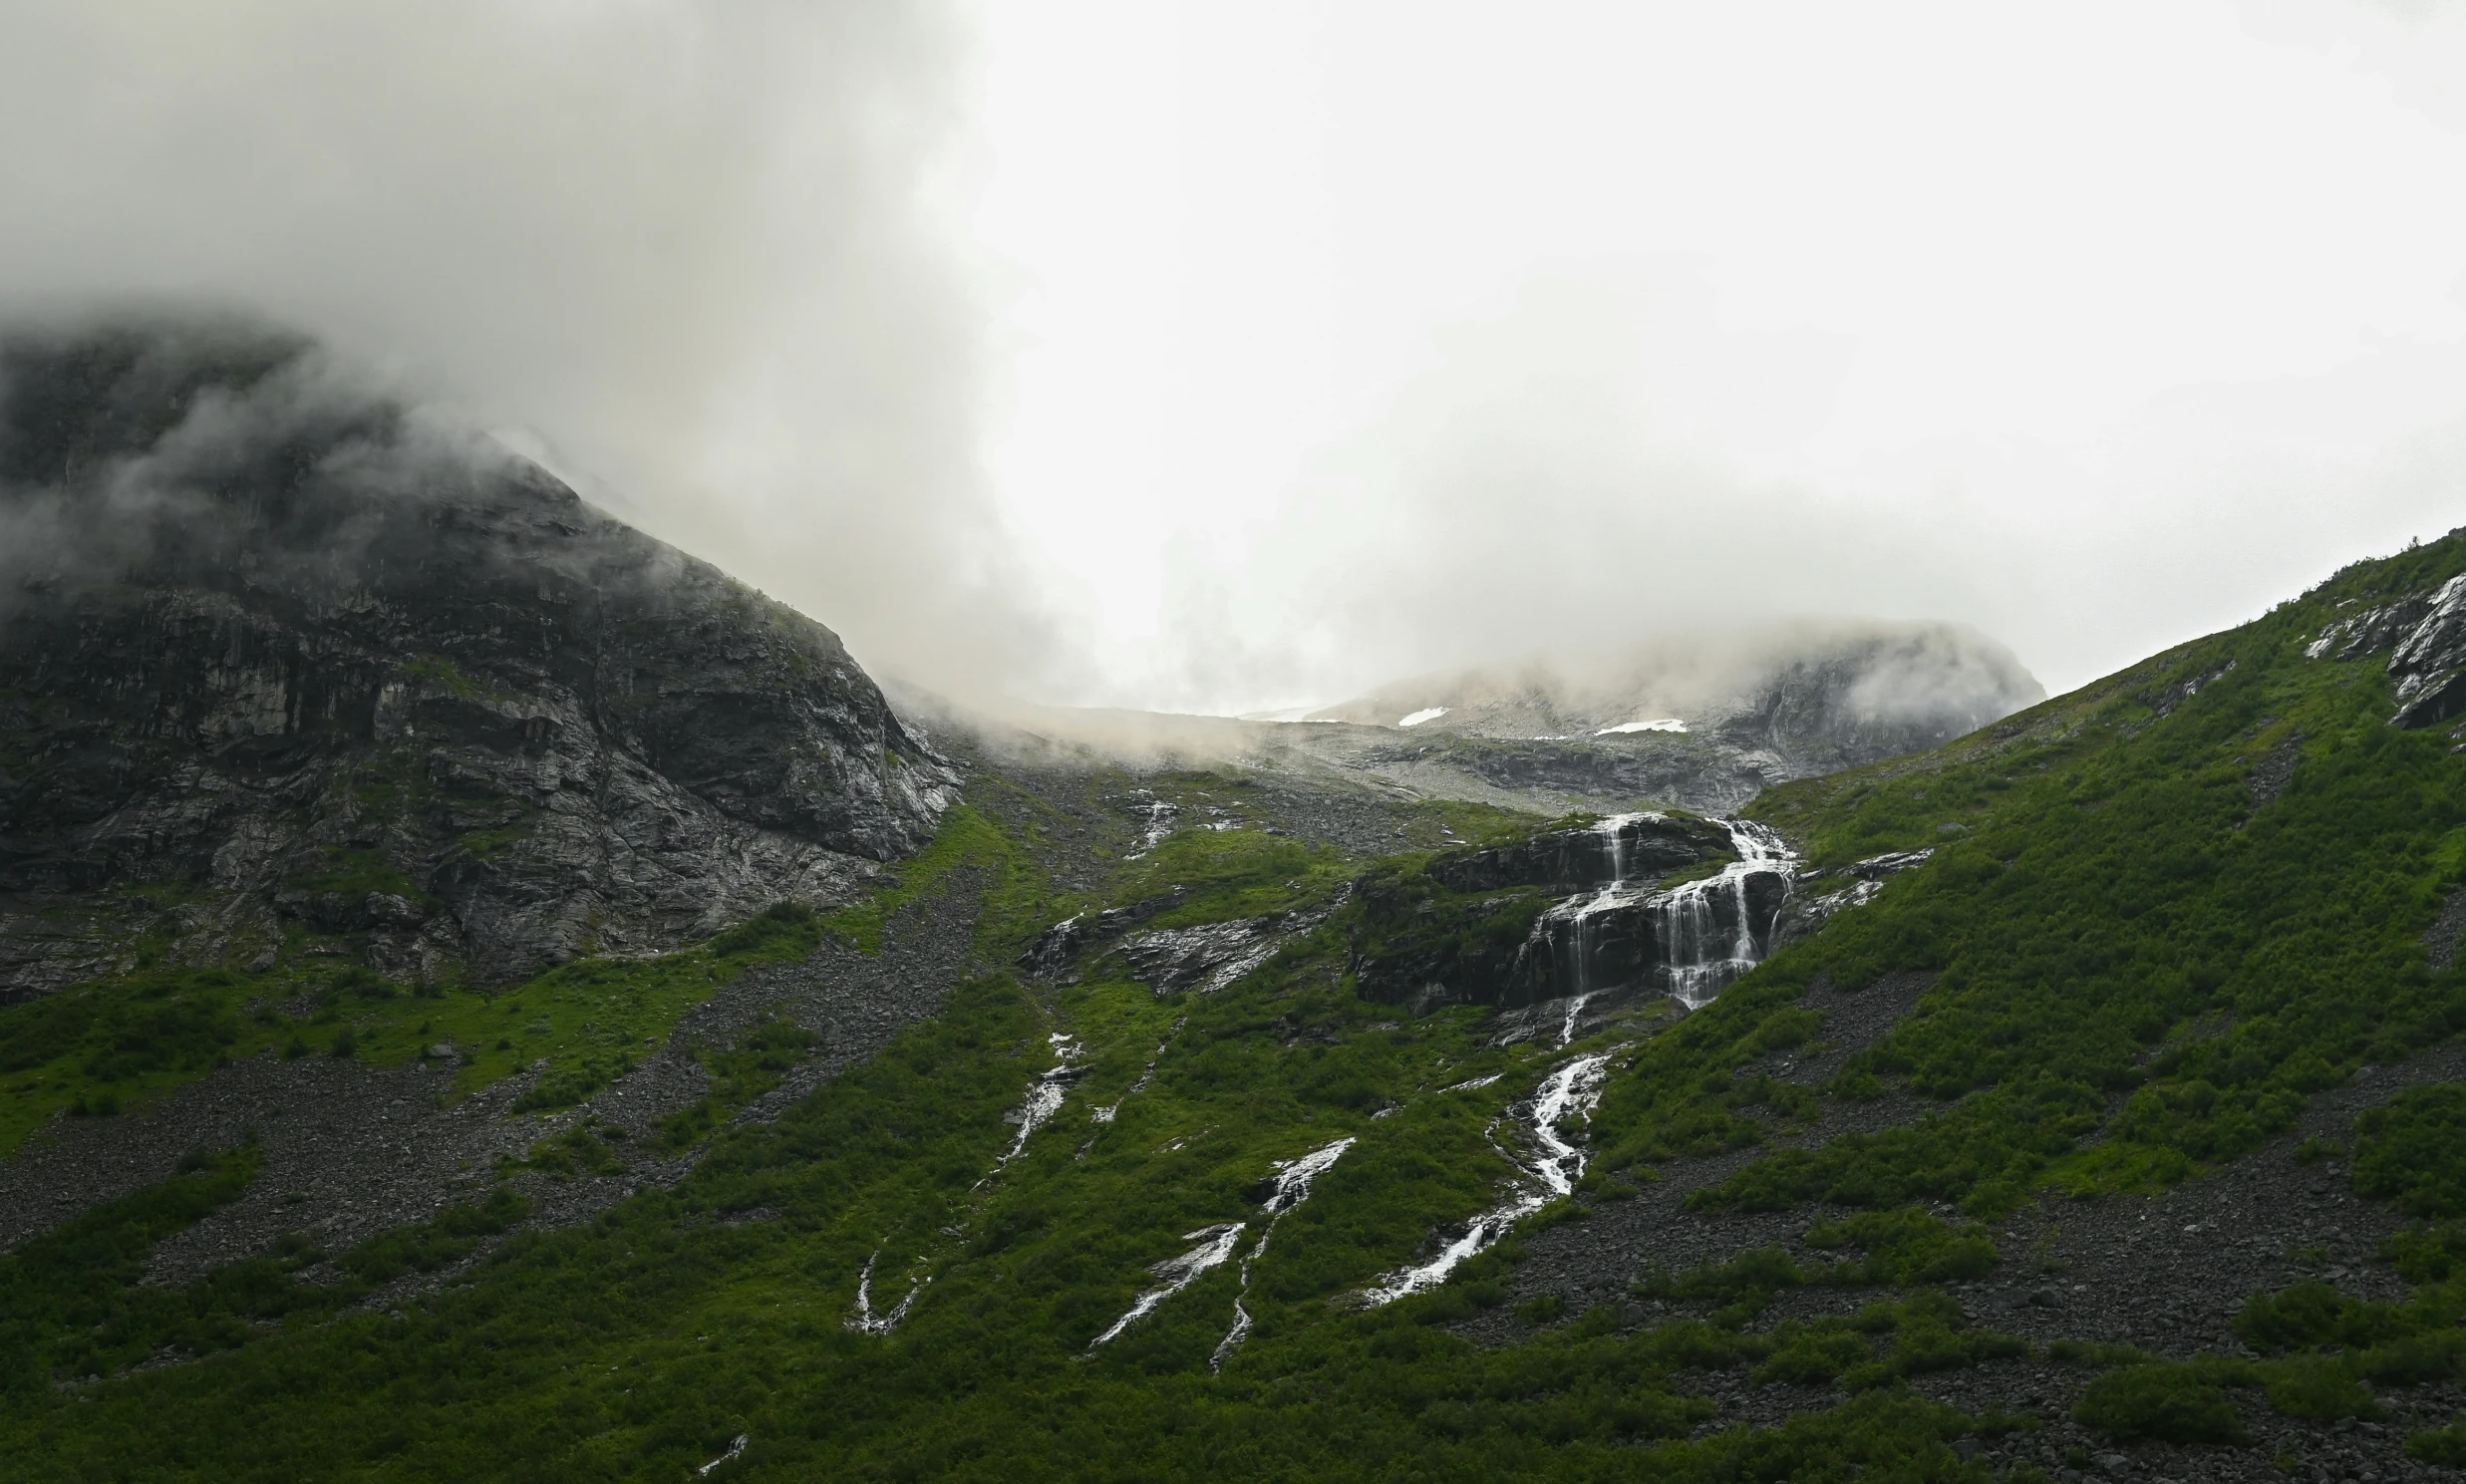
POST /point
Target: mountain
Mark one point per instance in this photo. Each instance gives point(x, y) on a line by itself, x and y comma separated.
point(1709, 723)
point(2076, 1098)
point(286, 670)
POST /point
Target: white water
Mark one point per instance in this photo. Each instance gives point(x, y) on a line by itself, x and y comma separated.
point(863, 1320)
point(1579, 914)
point(1574, 1008)
point(1159, 825)
point(1549, 1172)
point(1699, 962)
point(1044, 1100)
point(733, 1449)
point(1215, 1246)
point(1293, 1182)
point(1698, 958)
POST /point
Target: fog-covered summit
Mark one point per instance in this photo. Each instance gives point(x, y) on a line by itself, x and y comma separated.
point(1818, 694)
point(305, 661)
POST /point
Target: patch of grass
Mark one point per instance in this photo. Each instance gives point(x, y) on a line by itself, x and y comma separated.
point(2445, 1446)
point(1223, 874)
point(356, 872)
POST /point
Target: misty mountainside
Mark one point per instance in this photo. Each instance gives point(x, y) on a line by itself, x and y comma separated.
point(287, 671)
point(1705, 724)
point(1708, 723)
point(2078, 1096)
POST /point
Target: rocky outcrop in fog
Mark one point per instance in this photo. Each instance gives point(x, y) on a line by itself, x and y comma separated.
point(1708, 723)
point(281, 661)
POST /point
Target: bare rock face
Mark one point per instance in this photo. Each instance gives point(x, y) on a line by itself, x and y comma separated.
point(2426, 635)
point(1568, 913)
point(279, 656)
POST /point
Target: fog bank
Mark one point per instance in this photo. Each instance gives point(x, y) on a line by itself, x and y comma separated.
point(693, 257)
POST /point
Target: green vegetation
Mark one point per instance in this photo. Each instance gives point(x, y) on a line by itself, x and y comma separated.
point(2413, 1151)
point(437, 670)
point(2168, 1404)
point(354, 873)
point(2118, 918)
point(1219, 875)
point(72, 1306)
point(2132, 965)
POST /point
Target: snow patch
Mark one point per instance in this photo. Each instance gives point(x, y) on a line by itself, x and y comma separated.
point(1431, 714)
point(1659, 724)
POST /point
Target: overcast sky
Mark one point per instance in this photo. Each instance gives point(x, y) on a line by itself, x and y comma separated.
point(1232, 356)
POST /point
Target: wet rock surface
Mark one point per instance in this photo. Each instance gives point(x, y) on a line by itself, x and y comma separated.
point(2426, 635)
point(1610, 931)
point(1630, 846)
point(297, 657)
point(350, 1151)
point(1203, 959)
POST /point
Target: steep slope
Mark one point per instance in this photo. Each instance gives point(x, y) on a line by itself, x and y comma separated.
point(288, 672)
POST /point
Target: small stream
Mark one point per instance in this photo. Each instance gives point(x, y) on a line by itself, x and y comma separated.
point(1547, 1170)
point(1289, 1187)
point(1689, 941)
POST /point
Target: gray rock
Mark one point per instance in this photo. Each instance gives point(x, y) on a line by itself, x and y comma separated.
point(2425, 634)
point(304, 657)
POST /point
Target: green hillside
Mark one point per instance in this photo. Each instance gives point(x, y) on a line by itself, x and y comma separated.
point(2164, 915)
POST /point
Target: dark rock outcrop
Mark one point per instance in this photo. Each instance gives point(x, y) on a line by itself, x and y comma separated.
point(297, 660)
point(1567, 913)
point(1565, 860)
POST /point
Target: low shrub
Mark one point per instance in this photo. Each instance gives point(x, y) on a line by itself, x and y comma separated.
point(2165, 1402)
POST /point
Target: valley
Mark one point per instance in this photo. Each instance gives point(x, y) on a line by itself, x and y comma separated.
point(549, 1015)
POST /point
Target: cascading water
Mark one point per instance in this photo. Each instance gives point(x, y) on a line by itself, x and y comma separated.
point(1690, 942)
point(1044, 1100)
point(1289, 1187)
point(863, 1320)
point(1697, 955)
point(1215, 1246)
point(1549, 1172)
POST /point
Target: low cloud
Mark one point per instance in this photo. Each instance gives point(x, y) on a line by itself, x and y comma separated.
point(691, 256)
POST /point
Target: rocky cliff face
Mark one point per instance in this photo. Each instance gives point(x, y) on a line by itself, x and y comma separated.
point(287, 669)
point(1573, 919)
point(2426, 635)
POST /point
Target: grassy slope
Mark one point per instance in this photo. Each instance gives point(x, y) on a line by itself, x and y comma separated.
point(2137, 973)
point(2139, 970)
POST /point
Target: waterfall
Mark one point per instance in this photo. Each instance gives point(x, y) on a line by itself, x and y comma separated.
point(1697, 957)
point(863, 1320)
point(1690, 942)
